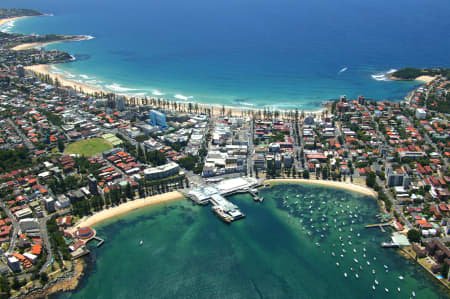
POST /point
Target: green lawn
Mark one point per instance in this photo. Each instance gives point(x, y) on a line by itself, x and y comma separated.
point(88, 147)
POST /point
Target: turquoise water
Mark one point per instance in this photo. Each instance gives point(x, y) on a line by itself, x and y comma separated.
point(189, 253)
point(281, 54)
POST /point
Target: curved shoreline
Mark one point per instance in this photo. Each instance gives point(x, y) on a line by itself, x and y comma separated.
point(44, 44)
point(334, 184)
point(125, 208)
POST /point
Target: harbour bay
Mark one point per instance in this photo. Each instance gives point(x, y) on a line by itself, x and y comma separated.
point(188, 252)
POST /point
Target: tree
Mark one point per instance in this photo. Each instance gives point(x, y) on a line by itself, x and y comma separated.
point(44, 278)
point(414, 235)
point(187, 162)
point(306, 174)
point(371, 179)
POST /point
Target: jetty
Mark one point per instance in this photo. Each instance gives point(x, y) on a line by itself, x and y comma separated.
point(380, 225)
point(215, 195)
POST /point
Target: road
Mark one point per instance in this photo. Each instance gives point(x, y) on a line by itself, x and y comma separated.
point(15, 225)
point(25, 139)
point(46, 242)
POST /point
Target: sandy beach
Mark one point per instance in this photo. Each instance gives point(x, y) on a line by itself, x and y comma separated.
point(426, 79)
point(127, 207)
point(84, 88)
point(32, 45)
point(4, 21)
point(44, 69)
point(341, 185)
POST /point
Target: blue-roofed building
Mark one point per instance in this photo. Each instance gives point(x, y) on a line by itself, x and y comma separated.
point(158, 119)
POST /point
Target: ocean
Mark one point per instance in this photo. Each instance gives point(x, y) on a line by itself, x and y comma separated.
point(278, 54)
point(274, 252)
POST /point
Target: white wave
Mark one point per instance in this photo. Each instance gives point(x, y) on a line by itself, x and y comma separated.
point(343, 70)
point(8, 26)
point(182, 97)
point(246, 104)
point(85, 77)
point(383, 76)
point(72, 58)
point(89, 37)
point(157, 93)
point(118, 88)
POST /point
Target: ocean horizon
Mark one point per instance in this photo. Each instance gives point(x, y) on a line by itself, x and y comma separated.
point(257, 54)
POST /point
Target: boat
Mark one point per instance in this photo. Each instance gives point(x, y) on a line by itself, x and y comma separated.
point(356, 261)
point(141, 242)
point(373, 287)
point(360, 267)
point(401, 277)
point(387, 290)
point(354, 250)
point(356, 275)
point(398, 289)
point(317, 244)
point(385, 266)
point(376, 282)
point(345, 274)
point(413, 294)
point(337, 264)
point(333, 254)
point(373, 271)
point(368, 263)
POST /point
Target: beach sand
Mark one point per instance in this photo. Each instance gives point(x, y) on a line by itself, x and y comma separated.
point(127, 207)
point(44, 70)
point(341, 185)
point(33, 45)
point(426, 79)
point(7, 20)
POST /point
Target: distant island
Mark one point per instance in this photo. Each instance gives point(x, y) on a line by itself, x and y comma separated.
point(410, 73)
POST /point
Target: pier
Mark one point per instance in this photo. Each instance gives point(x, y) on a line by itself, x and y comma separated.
point(380, 225)
point(255, 196)
point(215, 195)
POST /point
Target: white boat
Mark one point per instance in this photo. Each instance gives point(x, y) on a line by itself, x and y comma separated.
point(356, 261)
point(401, 277)
point(376, 282)
point(345, 274)
point(386, 267)
point(354, 250)
point(387, 290)
point(337, 264)
point(368, 263)
point(373, 287)
point(413, 294)
point(141, 242)
point(356, 275)
point(373, 271)
point(398, 289)
point(333, 254)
